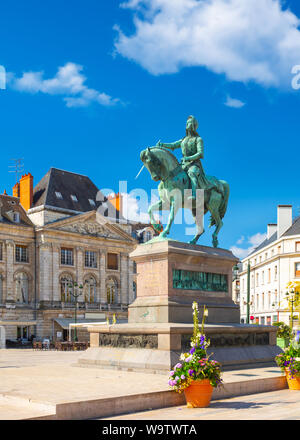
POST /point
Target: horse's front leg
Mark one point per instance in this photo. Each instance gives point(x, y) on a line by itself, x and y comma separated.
point(173, 210)
point(157, 206)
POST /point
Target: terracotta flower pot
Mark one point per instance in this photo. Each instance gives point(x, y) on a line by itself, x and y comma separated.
point(198, 394)
point(294, 384)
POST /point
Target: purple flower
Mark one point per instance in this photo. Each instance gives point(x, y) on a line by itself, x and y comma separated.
point(191, 372)
point(172, 373)
point(170, 382)
point(192, 351)
point(177, 366)
point(182, 376)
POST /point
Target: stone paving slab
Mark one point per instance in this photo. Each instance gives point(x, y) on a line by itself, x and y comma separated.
point(275, 405)
point(47, 382)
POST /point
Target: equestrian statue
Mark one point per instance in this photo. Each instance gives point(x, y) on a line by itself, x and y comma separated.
point(175, 178)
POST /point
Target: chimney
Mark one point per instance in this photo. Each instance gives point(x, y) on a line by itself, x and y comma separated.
point(117, 201)
point(26, 191)
point(16, 190)
point(284, 219)
point(271, 229)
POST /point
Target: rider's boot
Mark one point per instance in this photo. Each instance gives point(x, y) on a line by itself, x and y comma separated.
point(194, 183)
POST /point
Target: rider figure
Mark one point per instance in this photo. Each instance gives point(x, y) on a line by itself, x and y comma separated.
point(192, 150)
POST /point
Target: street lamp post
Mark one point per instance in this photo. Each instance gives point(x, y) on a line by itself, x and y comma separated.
point(248, 293)
point(75, 291)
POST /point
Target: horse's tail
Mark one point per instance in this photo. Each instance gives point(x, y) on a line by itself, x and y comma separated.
point(223, 207)
point(224, 203)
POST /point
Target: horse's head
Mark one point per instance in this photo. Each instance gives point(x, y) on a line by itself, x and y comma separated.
point(159, 162)
point(152, 163)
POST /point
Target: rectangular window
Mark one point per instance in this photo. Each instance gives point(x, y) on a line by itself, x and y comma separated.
point(90, 259)
point(269, 275)
point(297, 269)
point(268, 320)
point(112, 261)
point(21, 254)
point(1, 251)
point(16, 217)
point(262, 320)
point(66, 256)
point(274, 318)
point(298, 246)
point(275, 273)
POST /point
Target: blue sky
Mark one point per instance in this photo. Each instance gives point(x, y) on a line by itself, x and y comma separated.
point(90, 84)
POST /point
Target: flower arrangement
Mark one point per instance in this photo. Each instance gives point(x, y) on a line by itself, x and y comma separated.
point(289, 360)
point(195, 365)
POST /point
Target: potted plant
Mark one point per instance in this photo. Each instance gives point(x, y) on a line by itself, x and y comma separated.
point(289, 363)
point(284, 334)
point(195, 374)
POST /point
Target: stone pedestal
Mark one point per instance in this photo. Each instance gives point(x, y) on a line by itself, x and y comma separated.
point(156, 348)
point(170, 276)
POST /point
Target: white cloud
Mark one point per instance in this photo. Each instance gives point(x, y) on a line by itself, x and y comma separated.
point(234, 103)
point(132, 210)
point(241, 240)
point(252, 242)
point(68, 82)
point(244, 39)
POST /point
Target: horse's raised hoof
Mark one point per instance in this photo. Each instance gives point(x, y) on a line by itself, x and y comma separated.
point(164, 234)
point(215, 242)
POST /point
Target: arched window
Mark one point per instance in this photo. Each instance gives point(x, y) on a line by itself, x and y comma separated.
point(65, 283)
point(1, 289)
point(134, 289)
point(89, 290)
point(22, 287)
point(148, 236)
point(112, 291)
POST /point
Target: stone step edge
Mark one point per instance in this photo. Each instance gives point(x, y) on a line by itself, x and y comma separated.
point(121, 405)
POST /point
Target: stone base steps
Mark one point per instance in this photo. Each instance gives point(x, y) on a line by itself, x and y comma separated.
point(237, 383)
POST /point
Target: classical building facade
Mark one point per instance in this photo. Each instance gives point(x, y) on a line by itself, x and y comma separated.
point(274, 263)
point(54, 241)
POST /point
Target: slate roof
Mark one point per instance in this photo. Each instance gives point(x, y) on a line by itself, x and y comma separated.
point(67, 184)
point(293, 230)
point(10, 204)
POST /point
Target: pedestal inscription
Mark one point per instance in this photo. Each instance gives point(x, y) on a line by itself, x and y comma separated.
point(205, 281)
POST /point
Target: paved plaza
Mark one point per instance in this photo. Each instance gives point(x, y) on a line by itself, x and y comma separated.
point(49, 385)
point(275, 405)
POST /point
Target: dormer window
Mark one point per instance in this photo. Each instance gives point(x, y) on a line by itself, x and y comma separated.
point(74, 198)
point(58, 195)
point(16, 217)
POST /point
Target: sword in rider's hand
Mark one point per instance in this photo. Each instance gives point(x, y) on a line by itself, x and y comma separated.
point(139, 172)
point(141, 169)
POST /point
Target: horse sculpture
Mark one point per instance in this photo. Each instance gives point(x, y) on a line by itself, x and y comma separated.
point(174, 181)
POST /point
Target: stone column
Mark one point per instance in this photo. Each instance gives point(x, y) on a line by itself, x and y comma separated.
point(45, 271)
point(55, 273)
point(102, 276)
point(79, 270)
point(10, 293)
point(124, 279)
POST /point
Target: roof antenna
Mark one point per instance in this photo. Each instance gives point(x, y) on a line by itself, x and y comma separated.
point(18, 168)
